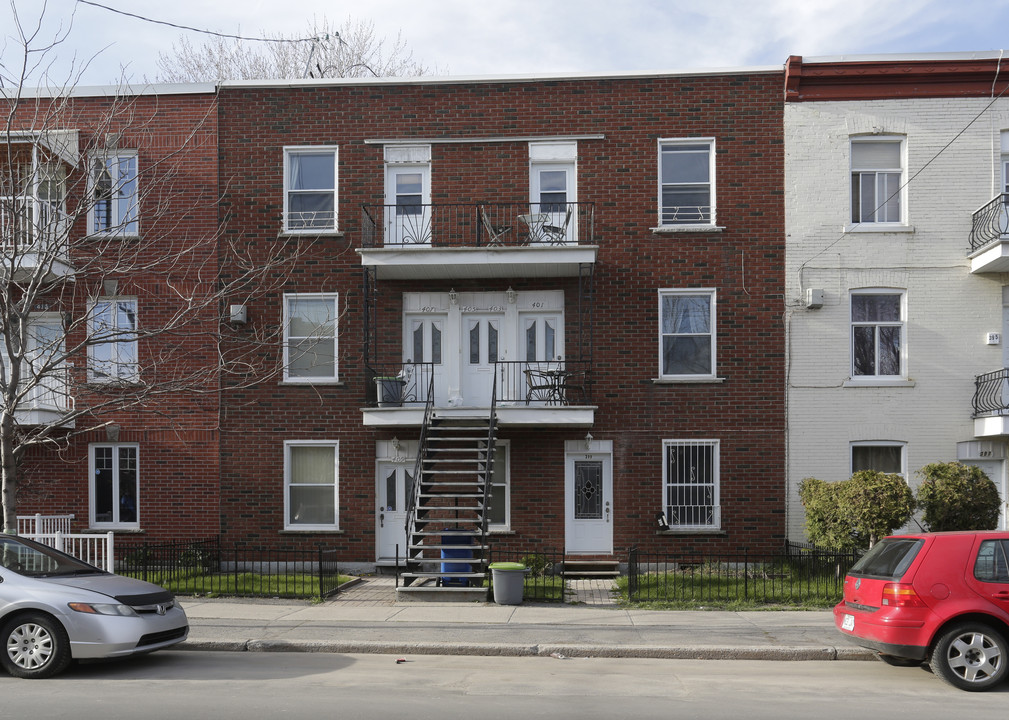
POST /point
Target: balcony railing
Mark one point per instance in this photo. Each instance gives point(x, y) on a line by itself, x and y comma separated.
point(478, 225)
point(990, 223)
point(991, 394)
point(546, 383)
point(31, 225)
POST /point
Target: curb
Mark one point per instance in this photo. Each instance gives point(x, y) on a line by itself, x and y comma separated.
point(517, 650)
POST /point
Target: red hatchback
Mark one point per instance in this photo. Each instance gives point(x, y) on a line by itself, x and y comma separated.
point(941, 598)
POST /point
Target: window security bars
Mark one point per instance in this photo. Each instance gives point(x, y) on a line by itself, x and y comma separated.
point(799, 573)
point(203, 567)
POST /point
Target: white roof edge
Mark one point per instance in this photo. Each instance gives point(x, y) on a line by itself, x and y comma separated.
point(477, 79)
point(904, 57)
point(124, 90)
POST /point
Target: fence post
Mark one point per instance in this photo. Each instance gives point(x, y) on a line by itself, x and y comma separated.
point(58, 542)
point(38, 524)
point(110, 552)
point(746, 574)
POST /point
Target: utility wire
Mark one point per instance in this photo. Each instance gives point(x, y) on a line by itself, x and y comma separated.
point(198, 30)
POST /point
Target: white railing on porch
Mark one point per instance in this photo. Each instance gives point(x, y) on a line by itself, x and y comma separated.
point(97, 550)
point(43, 524)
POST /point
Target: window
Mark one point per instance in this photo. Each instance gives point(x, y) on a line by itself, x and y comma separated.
point(882, 456)
point(115, 485)
point(310, 326)
point(311, 470)
point(877, 334)
point(112, 352)
point(310, 189)
point(686, 182)
point(499, 513)
point(687, 333)
point(690, 475)
point(877, 175)
point(113, 202)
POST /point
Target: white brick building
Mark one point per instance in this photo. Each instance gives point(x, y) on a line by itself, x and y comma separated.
point(890, 317)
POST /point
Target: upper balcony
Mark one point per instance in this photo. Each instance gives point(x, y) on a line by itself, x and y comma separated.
point(989, 237)
point(33, 239)
point(46, 400)
point(488, 240)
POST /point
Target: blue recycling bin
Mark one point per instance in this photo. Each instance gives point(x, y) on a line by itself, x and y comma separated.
point(460, 539)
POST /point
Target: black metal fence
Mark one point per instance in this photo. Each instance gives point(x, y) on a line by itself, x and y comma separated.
point(208, 567)
point(799, 574)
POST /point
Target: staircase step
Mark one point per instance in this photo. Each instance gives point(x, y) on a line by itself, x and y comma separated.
point(590, 569)
point(429, 593)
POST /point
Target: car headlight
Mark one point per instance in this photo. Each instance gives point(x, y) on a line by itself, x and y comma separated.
point(102, 609)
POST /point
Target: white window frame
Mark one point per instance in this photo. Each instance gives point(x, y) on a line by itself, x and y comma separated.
point(314, 229)
point(712, 294)
point(879, 444)
point(694, 219)
point(124, 205)
point(289, 484)
point(118, 340)
point(877, 377)
point(334, 300)
point(714, 508)
point(505, 480)
point(116, 523)
point(872, 221)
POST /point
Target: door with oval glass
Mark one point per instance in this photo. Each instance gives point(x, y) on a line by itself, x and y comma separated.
point(588, 503)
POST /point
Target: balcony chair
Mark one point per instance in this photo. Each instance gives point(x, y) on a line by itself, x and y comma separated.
point(495, 233)
point(557, 234)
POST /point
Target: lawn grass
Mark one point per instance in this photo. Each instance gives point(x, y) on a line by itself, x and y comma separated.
point(693, 590)
point(243, 584)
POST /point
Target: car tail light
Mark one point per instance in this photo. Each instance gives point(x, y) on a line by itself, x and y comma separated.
point(901, 595)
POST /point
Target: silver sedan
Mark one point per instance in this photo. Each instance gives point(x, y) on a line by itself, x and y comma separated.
point(55, 608)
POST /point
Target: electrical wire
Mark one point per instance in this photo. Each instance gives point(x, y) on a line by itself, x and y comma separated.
point(198, 30)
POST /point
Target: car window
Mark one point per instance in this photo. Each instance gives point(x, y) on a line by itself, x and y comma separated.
point(889, 558)
point(991, 564)
point(33, 559)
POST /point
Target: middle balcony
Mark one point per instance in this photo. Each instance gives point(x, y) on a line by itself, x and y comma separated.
point(477, 240)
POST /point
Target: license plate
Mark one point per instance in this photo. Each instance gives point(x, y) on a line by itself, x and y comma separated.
point(848, 623)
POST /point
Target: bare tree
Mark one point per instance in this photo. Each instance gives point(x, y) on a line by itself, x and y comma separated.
point(115, 273)
point(350, 50)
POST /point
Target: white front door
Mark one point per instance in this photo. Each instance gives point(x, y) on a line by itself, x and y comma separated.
point(408, 209)
point(395, 483)
point(481, 349)
point(588, 500)
point(423, 352)
point(552, 191)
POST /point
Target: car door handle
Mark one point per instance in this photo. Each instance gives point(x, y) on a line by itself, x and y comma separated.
point(1001, 595)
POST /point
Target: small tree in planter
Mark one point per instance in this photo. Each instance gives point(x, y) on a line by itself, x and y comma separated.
point(954, 496)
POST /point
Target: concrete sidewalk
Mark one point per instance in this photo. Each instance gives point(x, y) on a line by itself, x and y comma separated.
point(368, 619)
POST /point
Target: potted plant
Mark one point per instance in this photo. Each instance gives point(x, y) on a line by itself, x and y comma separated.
point(390, 391)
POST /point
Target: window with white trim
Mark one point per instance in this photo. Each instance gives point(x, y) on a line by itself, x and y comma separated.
point(499, 513)
point(686, 182)
point(113, 207)
point(687, 333)
point(690, 477)
point(311, 488)
point(877, 177)
point(115, 485)
point(877, 334)
point(883, 456)
point(112, 348)
point(310, 201)
point(310, 337)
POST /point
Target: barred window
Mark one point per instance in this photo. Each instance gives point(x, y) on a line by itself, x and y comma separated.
point(690, 483)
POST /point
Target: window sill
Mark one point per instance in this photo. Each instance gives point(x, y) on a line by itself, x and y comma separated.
point(306, 531)
point(693, 531)
point(876, 228)
point(705, 380)
point(112, 236)
point(878, 383)
point(312, 383)
point(673, 229)
point(119, 530)
point(316, 232)
point(502, 531)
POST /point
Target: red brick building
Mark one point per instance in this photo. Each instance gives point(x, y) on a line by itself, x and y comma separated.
point(589, 270)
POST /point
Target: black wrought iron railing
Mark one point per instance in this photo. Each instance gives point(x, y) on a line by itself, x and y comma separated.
point(797, 574)
point(477, 225)
point(991, 393)
point(990, 223)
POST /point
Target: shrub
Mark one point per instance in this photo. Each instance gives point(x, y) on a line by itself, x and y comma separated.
point(855, 513)
point(954, 496)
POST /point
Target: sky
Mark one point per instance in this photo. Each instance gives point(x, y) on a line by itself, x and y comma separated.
point(512, 37)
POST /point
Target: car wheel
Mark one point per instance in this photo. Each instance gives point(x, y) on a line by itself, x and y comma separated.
point(36, 646)
point(898, 661)
point(971, 656)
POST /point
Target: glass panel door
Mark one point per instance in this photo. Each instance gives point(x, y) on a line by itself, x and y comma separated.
point(408, 211)
point(423, 357)
point(481, 349)
point(552, 209)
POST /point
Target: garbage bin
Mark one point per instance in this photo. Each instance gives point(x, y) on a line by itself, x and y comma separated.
point(464, 550)
point(509, 580)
